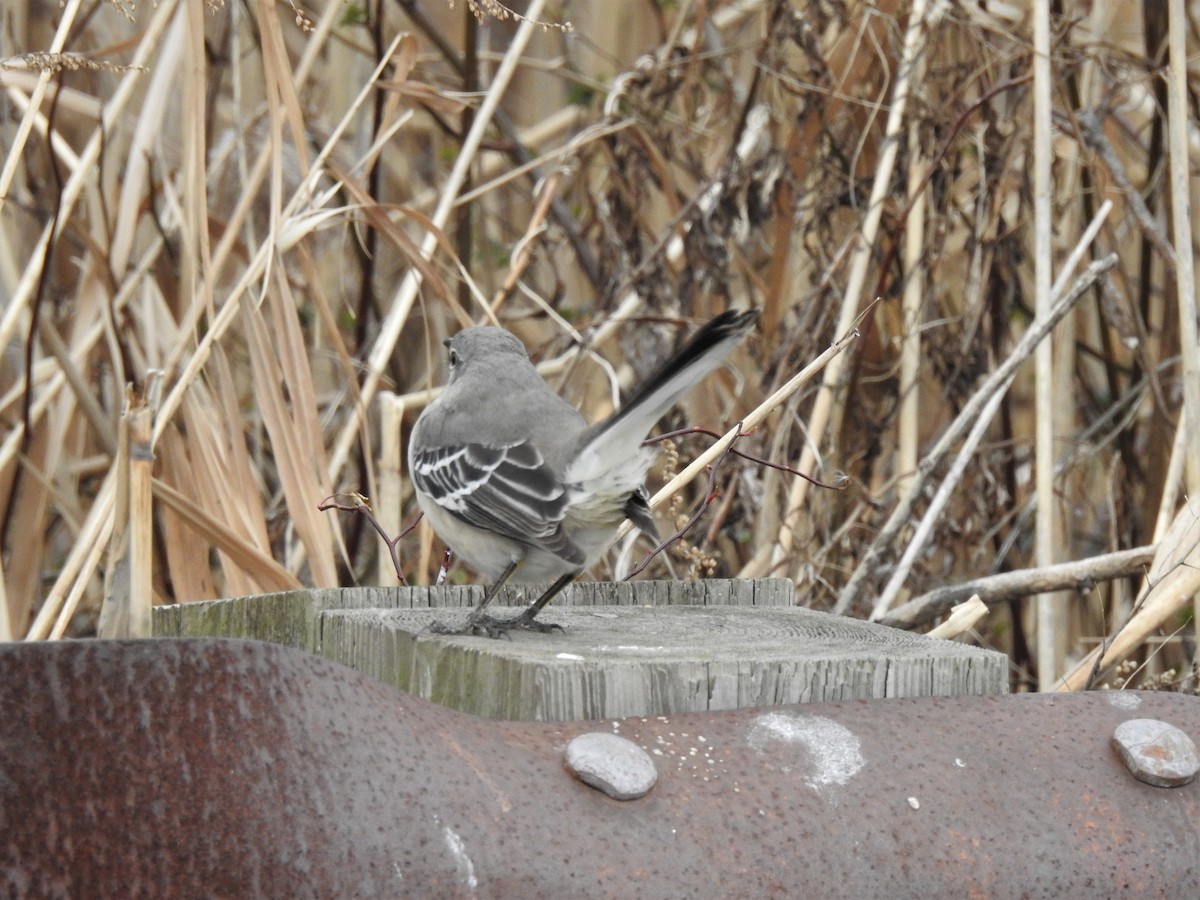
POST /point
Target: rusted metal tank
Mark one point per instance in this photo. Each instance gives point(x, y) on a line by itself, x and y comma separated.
point(206, 768)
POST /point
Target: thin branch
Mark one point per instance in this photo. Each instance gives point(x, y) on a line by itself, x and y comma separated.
point(840, 485)
point(356, 502)
point(1079, 575)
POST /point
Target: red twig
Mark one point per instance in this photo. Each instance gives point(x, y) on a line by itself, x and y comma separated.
point(356, 502)
point(696, 429)
point(444, 570)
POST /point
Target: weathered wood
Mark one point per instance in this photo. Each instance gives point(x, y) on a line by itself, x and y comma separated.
point(616, 661)
point(644, 648)
point(290, 617)
point(287, 617)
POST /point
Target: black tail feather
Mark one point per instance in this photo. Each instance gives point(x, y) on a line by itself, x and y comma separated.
point(729, 324)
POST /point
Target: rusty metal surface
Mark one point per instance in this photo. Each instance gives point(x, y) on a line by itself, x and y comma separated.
point(202, 768)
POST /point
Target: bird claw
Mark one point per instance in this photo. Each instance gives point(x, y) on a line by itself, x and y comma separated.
point(490, 626)
point(531, 624)
point(484, 626)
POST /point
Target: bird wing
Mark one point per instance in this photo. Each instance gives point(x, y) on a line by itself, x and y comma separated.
point(507, 489)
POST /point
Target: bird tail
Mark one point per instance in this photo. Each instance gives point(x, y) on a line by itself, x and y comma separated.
point(616, 443)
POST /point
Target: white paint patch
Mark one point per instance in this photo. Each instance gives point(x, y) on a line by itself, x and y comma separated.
point(830, 754)
point(639, 649)
point(458, 849)
point(628, 648)
point(1123, 699)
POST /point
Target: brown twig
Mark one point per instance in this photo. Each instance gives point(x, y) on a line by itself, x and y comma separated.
point(840, 485)
point(356, 502)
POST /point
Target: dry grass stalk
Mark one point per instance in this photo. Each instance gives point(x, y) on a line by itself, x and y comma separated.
point(909, 388)
point(1179, 125)
point(389, 495)
point(962, 618)
point(1051, 642)
point(127, 591)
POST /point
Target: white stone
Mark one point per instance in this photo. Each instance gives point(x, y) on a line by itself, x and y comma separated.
point(612, 764)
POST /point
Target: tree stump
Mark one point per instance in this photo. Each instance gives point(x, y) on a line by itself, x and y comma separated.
point(630, 649)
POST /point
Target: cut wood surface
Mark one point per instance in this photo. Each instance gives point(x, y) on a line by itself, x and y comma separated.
point(290, 617)
point(615, 661)
point(643, 648)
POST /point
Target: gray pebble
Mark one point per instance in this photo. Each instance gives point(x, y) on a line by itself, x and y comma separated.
point(613, 764)
point(1156, 752)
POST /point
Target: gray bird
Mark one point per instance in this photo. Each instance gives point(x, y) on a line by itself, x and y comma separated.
point(517, 483)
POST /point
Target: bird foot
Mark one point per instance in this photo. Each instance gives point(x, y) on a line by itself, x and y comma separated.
point(490, 626)
point(527, 622)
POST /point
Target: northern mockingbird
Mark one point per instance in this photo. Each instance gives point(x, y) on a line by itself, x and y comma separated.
point(517, 483)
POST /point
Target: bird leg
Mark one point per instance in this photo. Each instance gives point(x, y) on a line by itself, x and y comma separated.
point(525, 619)
point(477, 620)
